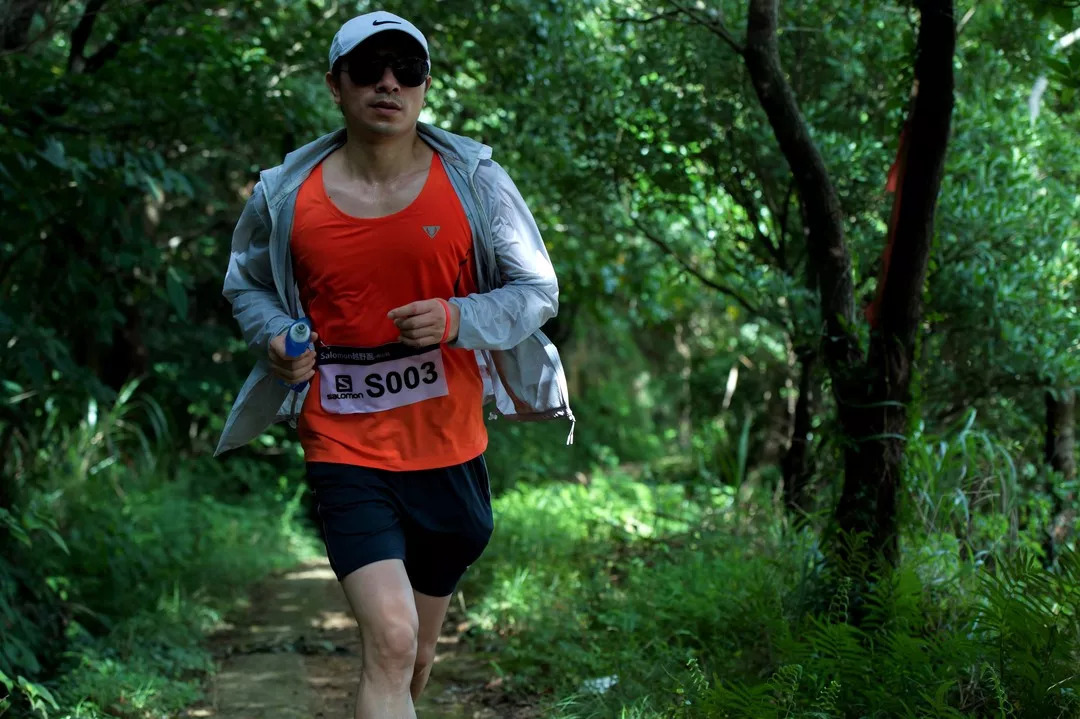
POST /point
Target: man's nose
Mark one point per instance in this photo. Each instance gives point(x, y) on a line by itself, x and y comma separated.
point(388, 82)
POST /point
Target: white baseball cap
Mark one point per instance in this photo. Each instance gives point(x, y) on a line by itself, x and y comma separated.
point(362, 27)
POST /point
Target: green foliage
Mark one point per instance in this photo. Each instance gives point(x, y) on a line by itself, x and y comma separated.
point(119, 562)
point(964, 482)
point(696, 611)
point(1013, 655)
point(619, 399)
point(566, 583)
point(659, 557)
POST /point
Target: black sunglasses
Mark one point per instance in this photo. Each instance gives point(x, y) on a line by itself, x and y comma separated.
point(410, 71)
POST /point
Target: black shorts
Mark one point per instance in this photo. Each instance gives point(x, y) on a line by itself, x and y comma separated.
point(437, 521)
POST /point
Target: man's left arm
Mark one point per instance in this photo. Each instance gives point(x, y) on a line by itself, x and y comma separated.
point(504, 317)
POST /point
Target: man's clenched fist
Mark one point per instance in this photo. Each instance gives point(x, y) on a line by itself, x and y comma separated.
point(423, 323)
point(292, 370)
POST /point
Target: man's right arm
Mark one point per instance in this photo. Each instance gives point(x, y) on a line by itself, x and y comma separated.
point(249, 281)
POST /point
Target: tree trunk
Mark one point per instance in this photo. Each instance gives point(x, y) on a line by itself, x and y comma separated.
point(126, 357)
point(1061, 458)
point(797, 465)
point(1061, 432)
point(871, 397)
point(872, 469)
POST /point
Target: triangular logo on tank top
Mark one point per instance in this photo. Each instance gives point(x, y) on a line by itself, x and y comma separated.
point(431, 230)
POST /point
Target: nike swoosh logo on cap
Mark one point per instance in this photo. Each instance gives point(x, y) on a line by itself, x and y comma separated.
point(386, 22)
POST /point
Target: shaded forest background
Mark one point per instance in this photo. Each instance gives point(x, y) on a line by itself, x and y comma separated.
point(825, 459)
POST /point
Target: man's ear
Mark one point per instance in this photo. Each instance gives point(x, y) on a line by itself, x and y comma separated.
point(335, 88)
point(427, 86)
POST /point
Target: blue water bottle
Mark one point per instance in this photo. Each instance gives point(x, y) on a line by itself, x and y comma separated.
point(297, 341)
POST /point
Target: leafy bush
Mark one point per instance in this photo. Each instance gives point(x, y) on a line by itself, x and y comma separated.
point(1013, 653)
point(119, 559)
point(625, 598)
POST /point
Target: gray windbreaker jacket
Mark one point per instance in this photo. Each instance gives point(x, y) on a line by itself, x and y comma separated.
point(518, 290)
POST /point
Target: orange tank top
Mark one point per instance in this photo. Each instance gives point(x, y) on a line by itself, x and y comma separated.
point(374, 402)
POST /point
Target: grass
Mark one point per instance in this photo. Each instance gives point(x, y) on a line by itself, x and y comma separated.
point(618, 582)
point(634, 598)
point(145, 576)
point(632, 594)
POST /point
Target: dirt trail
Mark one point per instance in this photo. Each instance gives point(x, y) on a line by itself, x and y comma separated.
point(295, 653)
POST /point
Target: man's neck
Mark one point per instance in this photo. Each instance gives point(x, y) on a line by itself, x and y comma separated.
point(374, 159)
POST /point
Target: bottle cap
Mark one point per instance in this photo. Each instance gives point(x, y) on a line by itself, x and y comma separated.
point(300, 332)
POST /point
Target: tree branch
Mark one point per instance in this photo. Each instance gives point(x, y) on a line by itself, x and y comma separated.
point(783, 222)
point(827, 250)
point(125, 34)
point(16, 20)
point(982, 387)
point(81, 35)
point(743, 197)
point(648, 20)
point(703, 233)
point(694, 271)
point(714, 26)
point(740, 191)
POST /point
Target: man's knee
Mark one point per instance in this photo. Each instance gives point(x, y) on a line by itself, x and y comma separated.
point(393, 644)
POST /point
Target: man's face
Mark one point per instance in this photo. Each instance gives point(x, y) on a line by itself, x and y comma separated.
point(374, 88)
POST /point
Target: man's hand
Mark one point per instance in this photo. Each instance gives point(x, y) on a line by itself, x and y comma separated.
point(423, 323)
point(291, 370)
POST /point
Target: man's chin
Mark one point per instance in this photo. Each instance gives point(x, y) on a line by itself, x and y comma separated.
point(384, 128)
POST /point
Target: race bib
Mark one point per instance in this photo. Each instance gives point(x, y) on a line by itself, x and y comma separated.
point(354, 380)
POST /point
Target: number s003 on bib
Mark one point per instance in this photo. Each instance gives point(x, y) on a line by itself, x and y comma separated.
point(354, 380)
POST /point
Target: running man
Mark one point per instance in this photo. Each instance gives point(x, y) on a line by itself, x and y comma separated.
point(425, 280)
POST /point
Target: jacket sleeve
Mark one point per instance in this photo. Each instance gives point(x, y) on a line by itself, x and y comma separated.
point(529, 292)
point(249, 281)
